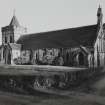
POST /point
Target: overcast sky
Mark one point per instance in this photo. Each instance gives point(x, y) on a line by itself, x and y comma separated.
point(46, 15)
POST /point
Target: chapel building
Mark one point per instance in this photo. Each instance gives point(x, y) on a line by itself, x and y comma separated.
point(80, 47)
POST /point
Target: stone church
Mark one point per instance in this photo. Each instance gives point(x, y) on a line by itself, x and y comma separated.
point(80, 47)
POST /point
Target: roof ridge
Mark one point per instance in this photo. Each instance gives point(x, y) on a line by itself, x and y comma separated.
point(58, 30)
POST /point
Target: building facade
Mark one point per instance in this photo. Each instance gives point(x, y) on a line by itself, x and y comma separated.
point(10, 34)
point(80, 47)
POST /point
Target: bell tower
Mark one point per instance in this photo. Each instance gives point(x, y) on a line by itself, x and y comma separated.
point(10, 35)
point(12, 32)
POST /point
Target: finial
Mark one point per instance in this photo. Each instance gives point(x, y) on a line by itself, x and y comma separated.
point(99, 6)
point(14, 12)
point(100, 3)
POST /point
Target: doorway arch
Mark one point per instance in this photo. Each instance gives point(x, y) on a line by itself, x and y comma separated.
point(81, 59)
point(9, 57)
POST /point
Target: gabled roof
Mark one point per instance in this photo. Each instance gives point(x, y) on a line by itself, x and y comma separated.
point(14, 22)
point(72, 37)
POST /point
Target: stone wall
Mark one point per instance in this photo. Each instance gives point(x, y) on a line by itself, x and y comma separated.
point(56, 56)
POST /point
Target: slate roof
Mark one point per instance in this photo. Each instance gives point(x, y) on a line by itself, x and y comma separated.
point(66, 38)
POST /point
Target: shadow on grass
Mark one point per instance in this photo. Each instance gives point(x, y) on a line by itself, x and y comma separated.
point(87, 85)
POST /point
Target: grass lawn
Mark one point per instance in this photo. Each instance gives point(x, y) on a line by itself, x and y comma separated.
point(89, 86)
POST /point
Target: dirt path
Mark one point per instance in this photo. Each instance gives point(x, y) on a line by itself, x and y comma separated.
point(72, 98)
point(100, 100)
point(75, 97)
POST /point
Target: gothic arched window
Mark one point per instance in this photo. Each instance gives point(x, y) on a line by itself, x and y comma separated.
point(11, 41)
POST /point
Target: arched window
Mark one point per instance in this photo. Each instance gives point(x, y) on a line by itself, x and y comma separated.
point(98, 59)
point(67, 58)
point(3, 52)
point(11, 41)
point(5, 39)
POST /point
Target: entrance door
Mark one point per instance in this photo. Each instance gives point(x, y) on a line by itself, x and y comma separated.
point(9, 58)
point(81, 59)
